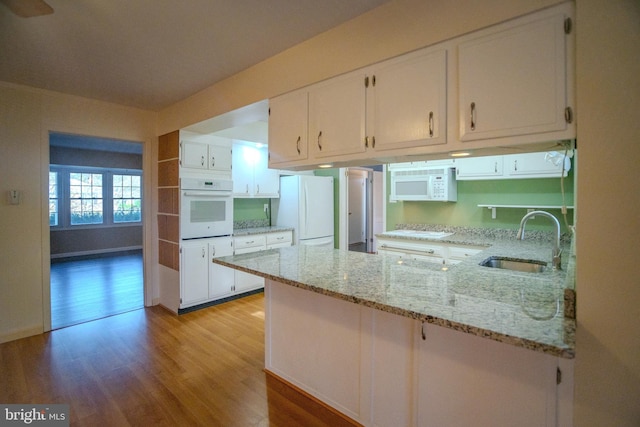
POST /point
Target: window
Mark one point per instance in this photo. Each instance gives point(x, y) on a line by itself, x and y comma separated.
point(85, 196)
point(126, 198)
point(53, 198)
point(94, 197)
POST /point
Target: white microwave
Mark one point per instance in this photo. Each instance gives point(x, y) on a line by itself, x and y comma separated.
point(435, 184)
point(206, 208)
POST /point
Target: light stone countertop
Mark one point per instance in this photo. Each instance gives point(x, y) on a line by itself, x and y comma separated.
point(259, 230)
point(522, 309)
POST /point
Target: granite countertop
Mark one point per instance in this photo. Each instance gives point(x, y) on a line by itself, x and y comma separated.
point(259, 230)
point(522, 309)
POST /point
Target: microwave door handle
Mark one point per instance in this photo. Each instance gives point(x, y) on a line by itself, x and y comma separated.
point(430, 187)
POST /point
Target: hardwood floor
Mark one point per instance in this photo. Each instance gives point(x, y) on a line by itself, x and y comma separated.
point(151, 367)
point(89, 289)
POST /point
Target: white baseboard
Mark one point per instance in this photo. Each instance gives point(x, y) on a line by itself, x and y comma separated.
point(21, 333)
point(95, 252)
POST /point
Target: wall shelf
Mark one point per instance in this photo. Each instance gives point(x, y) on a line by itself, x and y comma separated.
point(529, 208)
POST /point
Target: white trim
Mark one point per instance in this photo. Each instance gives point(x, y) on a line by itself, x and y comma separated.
point(96, 252)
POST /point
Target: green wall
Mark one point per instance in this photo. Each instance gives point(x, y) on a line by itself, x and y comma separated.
point(249, 209)
point(465, 212)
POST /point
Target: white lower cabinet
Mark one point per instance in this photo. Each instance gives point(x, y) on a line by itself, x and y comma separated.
point(221, 278)
point(201, 280)
point(443, 253)
point(254, 243)
point(465, 380)
point(382, 369)
point(245, 245)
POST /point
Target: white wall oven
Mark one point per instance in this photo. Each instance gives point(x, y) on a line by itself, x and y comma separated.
point(206, 208)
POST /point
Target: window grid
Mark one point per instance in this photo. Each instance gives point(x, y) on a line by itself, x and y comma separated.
point(53, 199)
point(127, 202)
point(85, 198)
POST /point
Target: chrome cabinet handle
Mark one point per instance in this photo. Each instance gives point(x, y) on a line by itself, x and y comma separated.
point(258, 185)
point(247, 190)
point(203, 254)
point(495, 167)
point(319, 144)
point(201, 160)
point(431, 124)
point(473, 116)
point(515, 165)
point(213, 248)
point(213, 161)
point(298, 145)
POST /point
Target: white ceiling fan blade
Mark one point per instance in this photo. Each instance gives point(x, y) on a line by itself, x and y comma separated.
point(28, 8)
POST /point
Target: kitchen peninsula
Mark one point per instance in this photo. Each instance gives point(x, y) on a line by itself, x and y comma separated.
point(387, 341)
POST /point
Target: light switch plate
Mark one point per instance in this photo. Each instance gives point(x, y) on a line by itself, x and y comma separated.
point(14, 196)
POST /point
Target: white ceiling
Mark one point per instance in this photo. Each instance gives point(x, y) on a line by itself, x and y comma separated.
point(152, 53)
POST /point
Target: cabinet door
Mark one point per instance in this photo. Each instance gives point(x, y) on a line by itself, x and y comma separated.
point(337, 116)
point(465, 380)
point(393, 373)
point(532, 165)
point(288, 118)
point(194, 271)
point(488, 167)
point(242, 172)
point(513, 82)
point(266, 180)
point(221, 278)
point(194, 155)
point(220, 158)
point(409, 101)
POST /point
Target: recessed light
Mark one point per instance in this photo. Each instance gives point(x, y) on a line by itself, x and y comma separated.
point(325, 166)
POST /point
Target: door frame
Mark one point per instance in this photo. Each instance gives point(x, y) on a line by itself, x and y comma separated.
point(343, 205)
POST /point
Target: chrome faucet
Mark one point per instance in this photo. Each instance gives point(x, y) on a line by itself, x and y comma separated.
point(555, 253)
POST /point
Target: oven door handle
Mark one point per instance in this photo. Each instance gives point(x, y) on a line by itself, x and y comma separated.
point(212, 193)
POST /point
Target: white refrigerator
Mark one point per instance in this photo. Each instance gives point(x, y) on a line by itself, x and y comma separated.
point(306, 204)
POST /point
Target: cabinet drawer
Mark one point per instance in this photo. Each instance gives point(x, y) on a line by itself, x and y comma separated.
point(251, 243)
point(463, 252)
point(279, 238)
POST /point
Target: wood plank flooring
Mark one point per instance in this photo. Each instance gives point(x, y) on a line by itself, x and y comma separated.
point(89, 289)
point(151, 367)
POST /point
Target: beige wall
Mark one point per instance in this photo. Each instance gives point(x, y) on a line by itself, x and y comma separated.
point(608, 276)
point(390, 30)
point(26, 117)
point(608, 346)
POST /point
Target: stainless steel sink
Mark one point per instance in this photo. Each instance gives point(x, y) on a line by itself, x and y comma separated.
point(524, 265)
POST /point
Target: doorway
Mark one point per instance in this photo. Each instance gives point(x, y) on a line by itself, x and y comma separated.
point(364, 213)
point(95, 228)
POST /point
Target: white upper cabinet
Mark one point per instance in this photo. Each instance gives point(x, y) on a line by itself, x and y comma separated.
point(251, 174)
point(534, 165)
point(513, 80)
point(206, 156)
point(408, 98)
point(288, 124)
point(506, 85)
point(337, 116)
point(512, 166)
point(487, 167)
